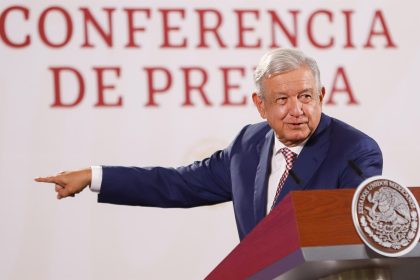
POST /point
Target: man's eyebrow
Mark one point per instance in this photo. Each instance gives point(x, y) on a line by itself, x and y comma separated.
point(277, 93)
point(305, 90)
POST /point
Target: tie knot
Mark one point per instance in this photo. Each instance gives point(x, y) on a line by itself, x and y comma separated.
point(288, 155)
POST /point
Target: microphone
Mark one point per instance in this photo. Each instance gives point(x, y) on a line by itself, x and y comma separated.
point(356, 169)
point(295, 177)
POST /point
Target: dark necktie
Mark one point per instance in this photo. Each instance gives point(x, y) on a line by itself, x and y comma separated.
point(290, 157)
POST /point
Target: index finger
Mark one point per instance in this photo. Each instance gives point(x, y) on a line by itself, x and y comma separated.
point(49, 179)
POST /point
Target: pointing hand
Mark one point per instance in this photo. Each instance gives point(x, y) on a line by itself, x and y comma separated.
point(69, 183)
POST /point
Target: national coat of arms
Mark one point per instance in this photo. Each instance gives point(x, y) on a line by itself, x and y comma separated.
point(386, 216)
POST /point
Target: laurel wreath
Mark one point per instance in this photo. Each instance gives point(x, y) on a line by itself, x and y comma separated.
point(389, 235)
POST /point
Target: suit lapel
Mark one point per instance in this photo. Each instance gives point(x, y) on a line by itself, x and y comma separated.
point(309, 159)
point(261, 177)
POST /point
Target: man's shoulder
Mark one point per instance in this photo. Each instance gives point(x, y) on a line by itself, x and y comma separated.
point(346, 134)
point(257, 131)
point(343, 128)
point(257, 128)
point(252, 134)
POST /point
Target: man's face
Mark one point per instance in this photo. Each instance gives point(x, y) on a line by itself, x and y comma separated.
point(291, 104)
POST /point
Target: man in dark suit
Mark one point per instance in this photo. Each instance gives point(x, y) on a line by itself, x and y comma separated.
point(298, 147)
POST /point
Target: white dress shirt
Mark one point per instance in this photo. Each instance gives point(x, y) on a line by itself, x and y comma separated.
point(278, 166)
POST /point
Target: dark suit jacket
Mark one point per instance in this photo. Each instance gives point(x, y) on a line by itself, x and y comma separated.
point(240, 172)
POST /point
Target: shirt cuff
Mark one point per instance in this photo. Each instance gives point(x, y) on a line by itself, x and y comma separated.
point(96, 182)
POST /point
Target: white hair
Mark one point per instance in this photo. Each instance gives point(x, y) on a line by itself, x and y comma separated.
point(282, 60)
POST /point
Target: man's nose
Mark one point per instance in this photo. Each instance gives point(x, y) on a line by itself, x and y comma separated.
point(295, 107)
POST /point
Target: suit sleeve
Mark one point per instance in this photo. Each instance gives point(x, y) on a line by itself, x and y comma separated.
point(368, 158)
point(201, 183)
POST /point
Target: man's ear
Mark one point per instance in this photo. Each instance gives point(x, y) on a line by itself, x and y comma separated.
point(259, 103)
point(321, 95)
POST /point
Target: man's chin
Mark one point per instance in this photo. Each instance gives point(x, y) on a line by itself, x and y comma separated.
point(297, 138)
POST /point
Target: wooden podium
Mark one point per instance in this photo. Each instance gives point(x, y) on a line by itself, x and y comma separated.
point(310, 235)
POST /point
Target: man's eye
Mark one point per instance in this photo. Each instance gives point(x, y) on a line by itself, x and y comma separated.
point(281, 100)
point(305, 97)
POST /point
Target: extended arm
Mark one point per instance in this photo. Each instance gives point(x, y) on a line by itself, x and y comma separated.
point(201, 183)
